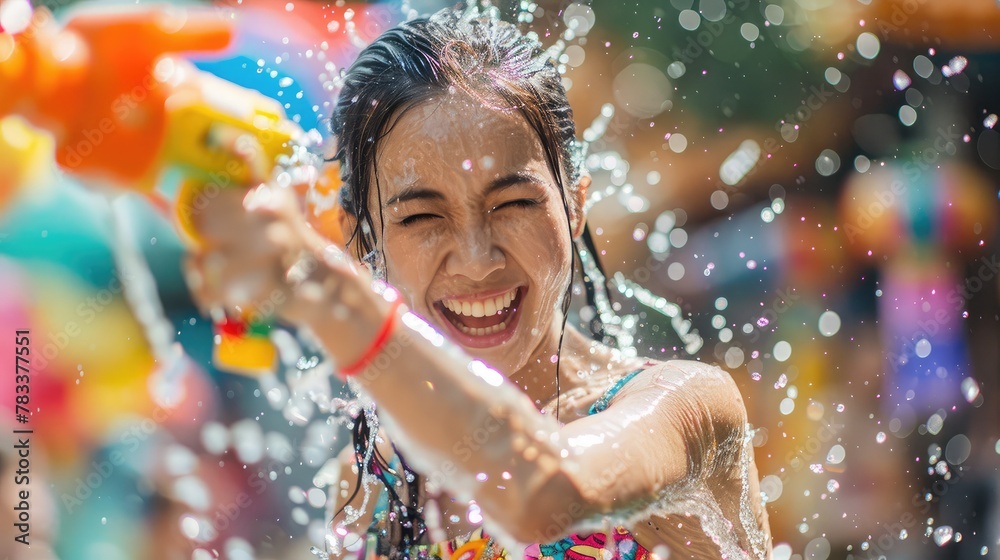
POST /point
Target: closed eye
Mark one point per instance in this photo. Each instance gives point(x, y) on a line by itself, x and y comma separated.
point(415, 218)
point(519, 203)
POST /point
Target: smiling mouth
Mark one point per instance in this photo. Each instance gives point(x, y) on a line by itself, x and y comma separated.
point(484, 319)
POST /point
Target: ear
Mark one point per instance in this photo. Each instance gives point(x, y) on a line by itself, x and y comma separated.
point(579, 198)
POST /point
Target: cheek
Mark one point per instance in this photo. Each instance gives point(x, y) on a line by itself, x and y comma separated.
point(411, 261)
point(540, 241)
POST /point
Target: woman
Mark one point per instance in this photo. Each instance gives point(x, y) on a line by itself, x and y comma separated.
point(463, 190)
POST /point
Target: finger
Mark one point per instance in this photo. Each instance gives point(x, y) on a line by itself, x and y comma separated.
point(223, 222)
point(291, 228)
point(196, 284)
point(245, 282)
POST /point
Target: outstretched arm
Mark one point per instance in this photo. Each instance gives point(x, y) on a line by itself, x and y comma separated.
point(475, 434)
point(460, 423)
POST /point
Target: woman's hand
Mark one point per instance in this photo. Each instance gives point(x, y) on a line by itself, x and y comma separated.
point(258, 257)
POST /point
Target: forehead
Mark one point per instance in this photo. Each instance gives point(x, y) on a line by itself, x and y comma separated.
point(454, 133)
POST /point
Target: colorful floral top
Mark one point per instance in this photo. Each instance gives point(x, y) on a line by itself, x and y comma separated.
point(480, 546)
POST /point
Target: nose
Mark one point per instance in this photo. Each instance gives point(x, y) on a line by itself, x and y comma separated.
point(474, 254)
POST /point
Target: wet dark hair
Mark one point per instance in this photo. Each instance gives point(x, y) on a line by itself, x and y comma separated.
point(419, 59)
point(409, 64)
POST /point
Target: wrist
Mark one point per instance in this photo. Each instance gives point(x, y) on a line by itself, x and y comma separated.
point(355, 320)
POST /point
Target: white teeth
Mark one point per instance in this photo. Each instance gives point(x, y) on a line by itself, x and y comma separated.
point(484, 331)
point(490, 307)
point(486, 307)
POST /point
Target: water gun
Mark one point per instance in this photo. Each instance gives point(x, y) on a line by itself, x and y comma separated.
point(122, 108)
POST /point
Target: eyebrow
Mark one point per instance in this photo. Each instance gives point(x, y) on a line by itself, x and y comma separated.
point(416, 192)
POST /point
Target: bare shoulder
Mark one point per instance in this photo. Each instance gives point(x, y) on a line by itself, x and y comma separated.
point(710, 386)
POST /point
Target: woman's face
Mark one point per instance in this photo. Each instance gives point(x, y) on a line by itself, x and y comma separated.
point(475, 233)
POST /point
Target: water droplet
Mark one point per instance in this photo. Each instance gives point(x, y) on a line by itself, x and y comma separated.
point(943, 535)
point(934, 425)
point(786, 406)
point(955, 66)
point(990, 121)
point(923, 66)
point(832, 485)
point(829, 323)
point(104, 521)
point(689, 19)
point(771, 487)
point(840, 408)
point(868, 45)
point(756, 377)
point(677, 142)
point(970, 389)
point(827, 163)
point(903, 534)
point(774, 14)
point(749, 31)
point(836, 454)
point(922, 348)
point(781, 382)
point(782, 351)
point(880, 437)
point(901, 80)
point(189, 526)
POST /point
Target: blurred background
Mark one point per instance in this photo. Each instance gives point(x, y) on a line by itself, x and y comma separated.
point(813, 183)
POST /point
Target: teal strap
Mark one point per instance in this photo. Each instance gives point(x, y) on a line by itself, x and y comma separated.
point(602, 403)
point(382, 504)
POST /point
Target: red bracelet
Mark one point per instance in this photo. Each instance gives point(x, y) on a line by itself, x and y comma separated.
point(376, 346)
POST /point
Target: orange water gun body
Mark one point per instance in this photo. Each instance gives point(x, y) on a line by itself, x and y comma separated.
point(121, 110)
